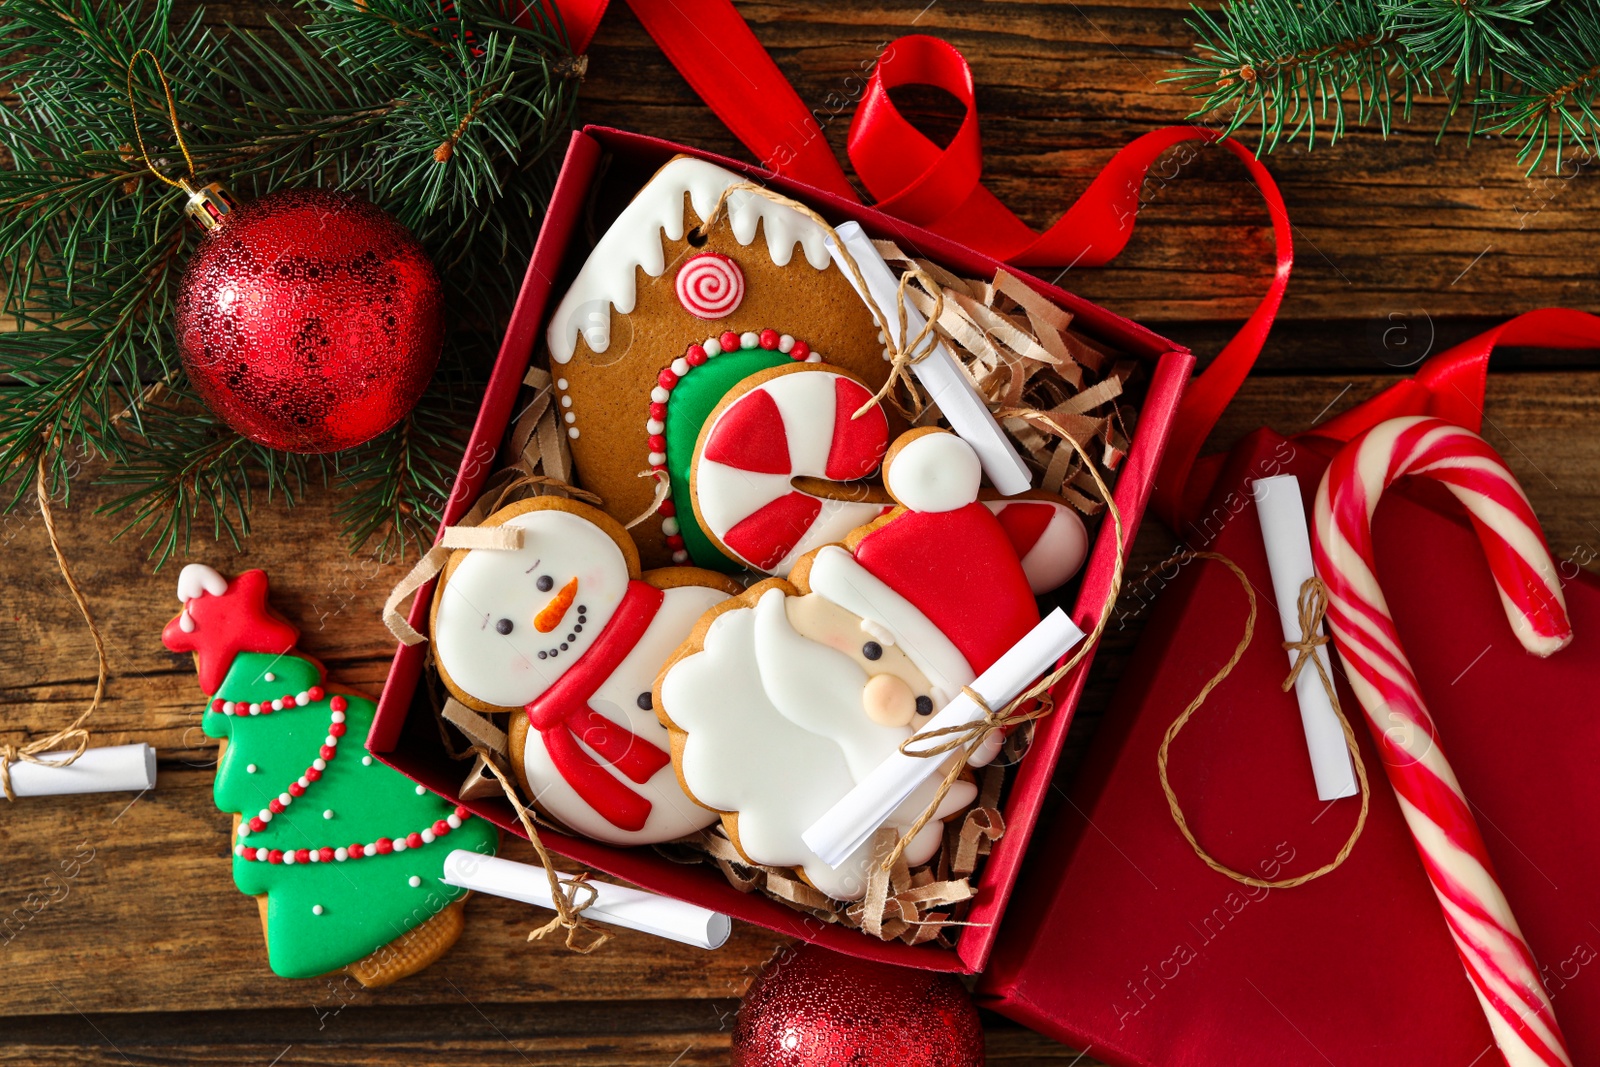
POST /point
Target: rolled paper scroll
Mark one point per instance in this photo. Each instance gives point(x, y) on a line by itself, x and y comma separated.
point(1499, 964)
point(850, 823)
point(112, 769)
point(617, 905)
point(1288, 540)
point(939, 373)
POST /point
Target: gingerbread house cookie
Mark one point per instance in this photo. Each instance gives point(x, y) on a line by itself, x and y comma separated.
point(665, 320)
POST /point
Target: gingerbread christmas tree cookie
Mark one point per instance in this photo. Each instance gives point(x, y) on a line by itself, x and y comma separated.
point(343, 853)
point(666, 319)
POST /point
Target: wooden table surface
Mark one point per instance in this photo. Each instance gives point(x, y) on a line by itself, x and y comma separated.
point(1403, 247)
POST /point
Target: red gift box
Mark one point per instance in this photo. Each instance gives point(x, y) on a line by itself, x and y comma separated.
point(1122, 941)
point(403, 732)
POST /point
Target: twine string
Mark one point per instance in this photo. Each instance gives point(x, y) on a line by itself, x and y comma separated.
point(965, 740)
point(565, 893)
point(1313, 603)
point(74, 734)
point(902, 356)
point(172, 117)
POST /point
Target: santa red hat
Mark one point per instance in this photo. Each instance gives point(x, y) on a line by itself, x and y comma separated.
point(941, 581)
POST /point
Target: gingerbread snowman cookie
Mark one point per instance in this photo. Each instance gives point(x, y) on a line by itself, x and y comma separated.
point(786, 697)
point(567, 634)
point(667, 318)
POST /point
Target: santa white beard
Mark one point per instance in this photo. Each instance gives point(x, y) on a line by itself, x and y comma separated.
point(776, 733)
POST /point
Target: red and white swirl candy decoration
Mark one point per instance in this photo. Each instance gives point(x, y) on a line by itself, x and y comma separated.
point(1496, 956)
point(798, 423)
point(710, 285)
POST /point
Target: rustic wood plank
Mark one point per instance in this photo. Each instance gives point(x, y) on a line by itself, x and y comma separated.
point(1403, 246)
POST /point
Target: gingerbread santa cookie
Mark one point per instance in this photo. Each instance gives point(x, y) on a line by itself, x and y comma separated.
point(664, 322)
point(343, 854)
point(786, 697)
point(567, 634)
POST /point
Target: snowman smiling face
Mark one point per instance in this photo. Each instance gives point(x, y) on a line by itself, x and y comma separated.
point(510, 622)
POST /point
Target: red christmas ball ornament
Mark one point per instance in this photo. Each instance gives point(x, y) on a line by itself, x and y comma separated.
point(308, 320)
point(813, 1008)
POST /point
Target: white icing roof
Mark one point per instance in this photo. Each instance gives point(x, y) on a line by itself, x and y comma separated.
point(634, 240)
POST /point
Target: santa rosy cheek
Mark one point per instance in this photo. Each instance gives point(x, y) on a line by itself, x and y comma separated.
point(888, 701)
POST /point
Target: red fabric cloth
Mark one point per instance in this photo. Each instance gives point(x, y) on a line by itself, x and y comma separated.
point(1120, 940)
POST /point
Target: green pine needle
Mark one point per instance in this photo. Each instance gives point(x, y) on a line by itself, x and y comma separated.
point(439, 111)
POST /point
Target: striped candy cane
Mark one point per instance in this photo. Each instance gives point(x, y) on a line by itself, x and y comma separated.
point(1493, 950)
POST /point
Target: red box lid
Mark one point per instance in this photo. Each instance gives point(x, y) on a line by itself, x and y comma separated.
point(409, 742)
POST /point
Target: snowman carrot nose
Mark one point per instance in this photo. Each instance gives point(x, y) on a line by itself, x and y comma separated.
point(551, 614)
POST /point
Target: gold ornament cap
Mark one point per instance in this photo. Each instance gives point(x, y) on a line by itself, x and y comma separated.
point(209, 205)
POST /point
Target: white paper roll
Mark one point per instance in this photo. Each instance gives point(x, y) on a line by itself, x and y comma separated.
point(946, 382)
point(618, 905)
point(851, 822)
point(1283, 528)
point(115, 769)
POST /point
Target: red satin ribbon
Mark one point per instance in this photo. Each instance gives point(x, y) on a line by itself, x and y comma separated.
point(562, 716)
point(939, 188)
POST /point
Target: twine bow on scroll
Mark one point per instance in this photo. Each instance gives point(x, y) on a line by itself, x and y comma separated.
point(1034, 702)
point(75, 733)
point(1313, 604)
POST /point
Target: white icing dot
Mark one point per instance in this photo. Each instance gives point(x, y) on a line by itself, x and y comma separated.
point(399, 844)
point(227, 707)
point(288, 856)
point(341, 854)
point(572, 432)
point(304, 782)
point(302, 699)
point(571, 418)
point(244, 829)
point(712, 346)
point(366, 761)
point(748, 340)
point(337, 716)
point(561, 383)
point(566, 401)
point(657, 457)
point(680, 366)
point(660, 394)
point(320, 764)
point(427, 837)
point(886, 357)
point(266, 815)
point(327, 813)
point(261, 855)
point(815, 357)
point(277, 704)
point(314, 855)
point(453, 820)
point(422, 790)
point(785, 343)
point(330, 741)
point(316, 909)
point(269, 677)
point(882, 340)
point(251, 768)
point(680, 556)
point(285, 799)
point(669, 525)
point(255, 709)
point(413, 881)
point(654, 426)
point(238, 850)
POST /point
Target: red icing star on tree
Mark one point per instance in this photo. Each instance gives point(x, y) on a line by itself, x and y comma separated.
point(222, 625)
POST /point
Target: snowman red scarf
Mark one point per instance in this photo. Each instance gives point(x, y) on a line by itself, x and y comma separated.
point(562, 715)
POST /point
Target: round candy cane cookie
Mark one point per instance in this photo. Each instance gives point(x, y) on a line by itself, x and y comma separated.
point(774, 427)
point(1496, 956)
